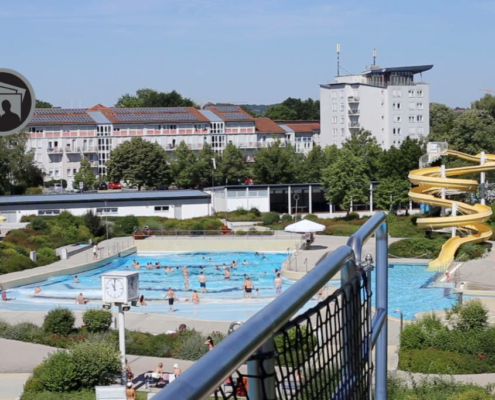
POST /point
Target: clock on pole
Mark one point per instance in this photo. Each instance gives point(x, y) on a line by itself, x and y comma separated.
point(120, 288)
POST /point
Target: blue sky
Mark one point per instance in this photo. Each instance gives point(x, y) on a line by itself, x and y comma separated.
point(92, 51)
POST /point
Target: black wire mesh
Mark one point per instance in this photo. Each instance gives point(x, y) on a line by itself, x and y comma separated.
point(324, 353)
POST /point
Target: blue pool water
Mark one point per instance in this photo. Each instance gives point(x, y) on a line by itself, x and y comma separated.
point(408, 289)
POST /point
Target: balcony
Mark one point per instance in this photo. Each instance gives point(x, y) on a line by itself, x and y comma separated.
point(247, 145)
point(195, 146)
point(94, 163)
point(250, 159)
point(353, 112)
point(72, 149)
point(353, 99)
point(354, 125)
point(55, 150)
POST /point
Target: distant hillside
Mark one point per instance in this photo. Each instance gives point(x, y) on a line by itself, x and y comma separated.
point(259, 109)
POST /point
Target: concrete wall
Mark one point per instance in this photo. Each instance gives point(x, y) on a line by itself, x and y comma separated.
point(39, 274)
point(219, 244)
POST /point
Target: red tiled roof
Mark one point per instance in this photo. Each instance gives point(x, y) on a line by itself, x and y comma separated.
point(305, 127)
point(148, 115)
point(266, 125)
point(97, 107)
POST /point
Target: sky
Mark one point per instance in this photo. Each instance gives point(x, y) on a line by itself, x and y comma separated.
point(80, 53)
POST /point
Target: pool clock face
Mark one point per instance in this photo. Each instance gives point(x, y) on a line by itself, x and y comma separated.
point(114, 288)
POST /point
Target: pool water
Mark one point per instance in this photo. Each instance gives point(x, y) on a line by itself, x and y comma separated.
point(224, 300)
point(408, 286)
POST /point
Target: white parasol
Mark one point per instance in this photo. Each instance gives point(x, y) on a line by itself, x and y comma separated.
point(305, 226)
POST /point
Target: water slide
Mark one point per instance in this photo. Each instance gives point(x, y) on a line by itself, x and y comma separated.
point(467, 219)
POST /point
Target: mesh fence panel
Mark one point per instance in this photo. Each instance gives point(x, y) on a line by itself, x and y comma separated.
point(323, 353)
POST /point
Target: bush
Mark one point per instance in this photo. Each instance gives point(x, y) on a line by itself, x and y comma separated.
point(286, 218)
point(39, 224)
point(15, 262)
point(311, 217)
point(417, 247)
point(270, 218)
point(403, 227)
point(48, 254)
point(93, 223)
point(144, 344)
point(295, 346)
point(34, 190)
point(351, 216)
point(58, 373)
point(128, 224)
point(470, 315)
point(470, 251)
point(433, 361)
point(197, 228)
point(255, 211)
point(240, 211)
point(59, 321)
point(153, 225)
point(97, 320)
point(79, 395)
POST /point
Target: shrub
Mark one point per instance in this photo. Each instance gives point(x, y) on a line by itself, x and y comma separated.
point(66, 219)
point(58, 373)
point(311, 217)
point(93, 223)
point(153, 225)
point(21, 250)
point(470, 315)
point(79, 395)
point(417, 247)
point(433, 361)
point(15, 262)
point(39, 224)
point(128, 224)
point(351, 216)
point(286, 218)
point(470, 251)
point(48, 254)
point(25, 332)
point(34, 190)
point(95, 363)
point(255, 211)
point(59, 321)
point(295, 346)
point(197, 228)
point(240, 211)
point(270, 218)
point(97, 320)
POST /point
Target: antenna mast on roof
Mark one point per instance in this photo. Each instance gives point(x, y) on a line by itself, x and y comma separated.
point(338, 59)
point(374, 56)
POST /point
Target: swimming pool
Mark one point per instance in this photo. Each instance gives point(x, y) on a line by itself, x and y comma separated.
point(408, 286)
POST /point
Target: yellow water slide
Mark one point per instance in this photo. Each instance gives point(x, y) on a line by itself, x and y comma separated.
point(468, 219)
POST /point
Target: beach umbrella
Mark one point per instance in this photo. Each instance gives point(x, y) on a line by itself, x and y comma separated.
point(305, 226)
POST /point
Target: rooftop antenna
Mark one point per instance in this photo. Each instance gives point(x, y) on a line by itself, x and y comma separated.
point(338, 59)
point(374, 56)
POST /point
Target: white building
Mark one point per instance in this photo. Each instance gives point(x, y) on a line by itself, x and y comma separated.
point(386, 101)
point(61, 137)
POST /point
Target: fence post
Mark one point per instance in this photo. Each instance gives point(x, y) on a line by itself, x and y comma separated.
point(381, 302)
point(261, 372)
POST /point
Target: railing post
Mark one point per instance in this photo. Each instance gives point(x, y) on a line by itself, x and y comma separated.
point(381, 303)
point(261, 372)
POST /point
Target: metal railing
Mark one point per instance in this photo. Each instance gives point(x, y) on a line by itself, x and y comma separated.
point(148, 234)
point(329, 355)
point(106, 250)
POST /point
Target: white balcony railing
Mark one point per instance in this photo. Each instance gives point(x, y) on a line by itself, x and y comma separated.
point(353, 99)
point(354, 125)
point(94, 163)
point(353, 112)
point(89, 149)
point(55, 150)
point(72, 149)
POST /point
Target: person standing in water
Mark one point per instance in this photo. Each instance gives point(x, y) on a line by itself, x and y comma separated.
point(171, 298)
point(185, 273)
point(202, 282)
point(278, 284)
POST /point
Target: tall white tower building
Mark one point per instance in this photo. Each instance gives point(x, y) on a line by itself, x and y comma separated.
point(389, 102)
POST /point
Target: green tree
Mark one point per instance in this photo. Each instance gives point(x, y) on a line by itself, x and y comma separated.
point(203, 167)
point(313, 165)
point(398, 162)
point(140, 163)
point(43, 104)
point(346, 179)
point(85, 175)
point(391, 192)
point(331, 154)
point(441, 119)
point(93, 223)
point(364, 145)
point(251, 112)
point(304, 109)
point(472, 132)
point(232, 167)
point(487, 103)
point(280, 112)
point(152, 98)
point(18, 170)
point(277, 164)
point(184, 167)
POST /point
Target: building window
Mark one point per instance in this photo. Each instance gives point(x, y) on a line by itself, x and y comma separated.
point(399, 93)
point(419, 93)
point(419, 106)
point(162, 208)
point(419, 118)
point(334, 94)
point(412, 106)
point(341, 106)
point(421, 131)
point(69, 172)
point(341, 94)
point(334, 119)
point(412, 131)
point(48, 212)
point(394, 132)
point(410, 93)
point(334, 131)
point(411, 118)
point(398, 106)
point(398, 131)
point(341, 119)
point(106, 211)
point(342, 131)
